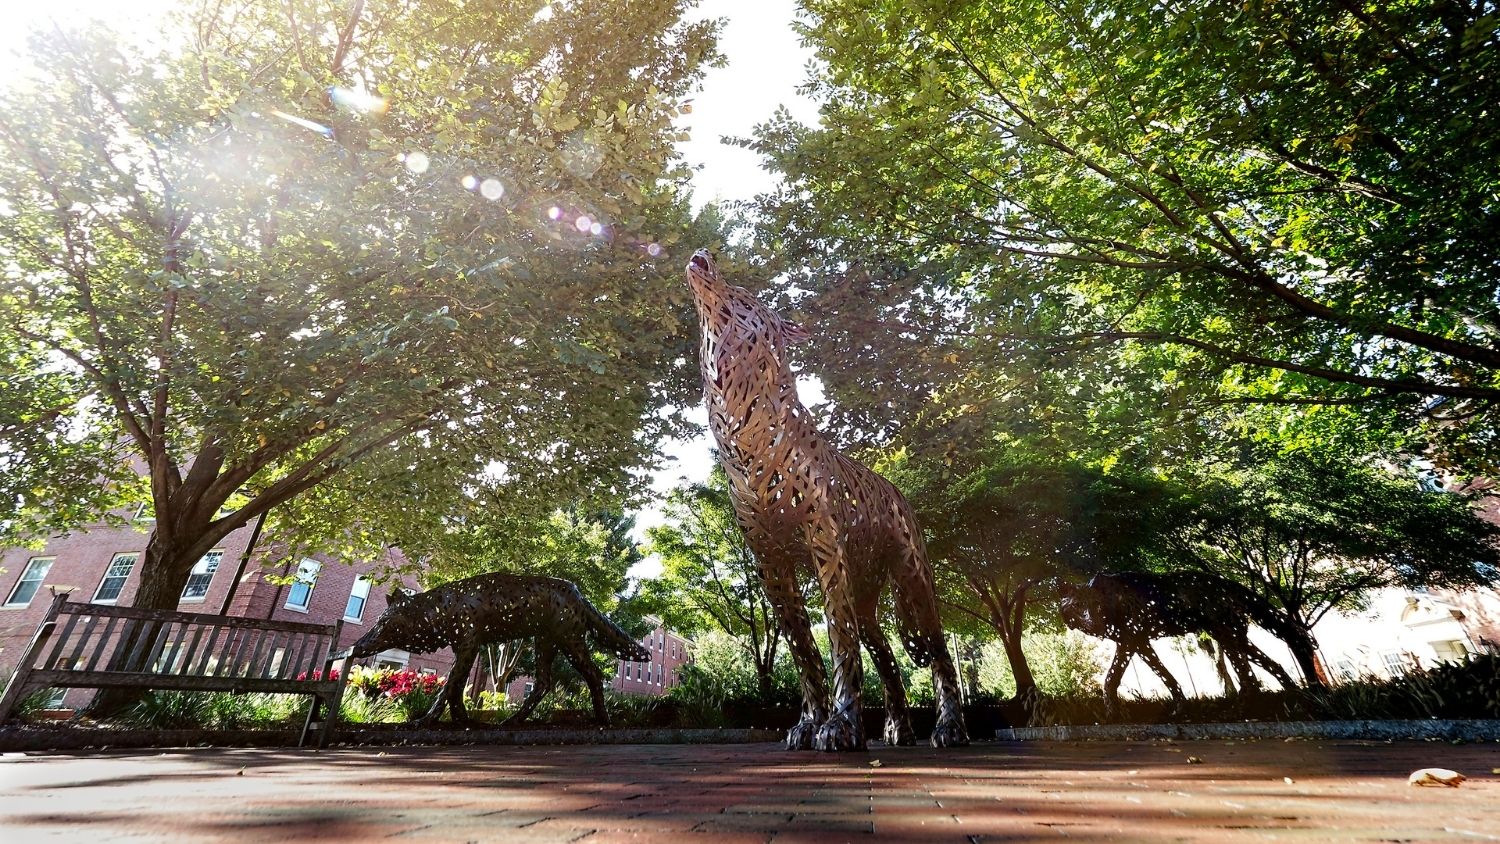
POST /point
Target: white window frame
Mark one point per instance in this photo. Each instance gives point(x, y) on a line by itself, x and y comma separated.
point(1395, 663)
point(35, 573)
point(307, 578)
point(205, 568)
point(363, 596)
point(111, 574)
point(145, 512)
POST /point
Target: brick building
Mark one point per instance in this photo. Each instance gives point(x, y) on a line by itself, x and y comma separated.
point(669, 653)
point(100, 564)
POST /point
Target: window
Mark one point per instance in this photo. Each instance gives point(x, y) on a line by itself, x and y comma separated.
point(1395, 663)
point(203, 574)
point(355, 609)
point(146, 512)
point(530, 687)
point(114, 578)
point(301, 594)
point(31, 580)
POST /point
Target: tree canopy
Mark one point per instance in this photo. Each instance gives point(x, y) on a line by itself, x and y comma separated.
point(387, 268)
point(1282, 208)
point(710, 579)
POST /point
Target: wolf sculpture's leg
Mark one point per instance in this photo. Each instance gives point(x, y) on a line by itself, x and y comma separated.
point(844, 729)
point(541, 685)
point(1113, 677)
point(779, 579)
point(577, 654)
point(452, 693)
point(1148, 654)
point(1236, 651)
point(916, 601)
point(897, 719)
point(1271, 666)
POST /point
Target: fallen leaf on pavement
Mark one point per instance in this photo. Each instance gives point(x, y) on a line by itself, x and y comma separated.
point(1436, 777)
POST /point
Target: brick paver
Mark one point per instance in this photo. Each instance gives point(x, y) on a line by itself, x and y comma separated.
point(1146, 791)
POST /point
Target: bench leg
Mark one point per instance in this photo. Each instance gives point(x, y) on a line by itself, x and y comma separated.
point(312, 713)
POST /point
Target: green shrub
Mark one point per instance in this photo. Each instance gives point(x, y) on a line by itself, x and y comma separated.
point(1064, 664)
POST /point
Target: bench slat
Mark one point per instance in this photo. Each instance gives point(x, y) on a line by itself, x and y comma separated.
point(109, 629)
point(146, 680)
point(260, 643)
point(208, 652)
point(108, 610)
point(82, 639)
point(191, 651)
point(59, 639)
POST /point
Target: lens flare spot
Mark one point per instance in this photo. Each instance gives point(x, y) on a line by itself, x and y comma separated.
point(416, 162)
point(357, 100)
point(305, 124)
point(596, 229)
point(491, 189)
point(468, 182)
point(583, 223)
point(554, 213)
point(654, 250)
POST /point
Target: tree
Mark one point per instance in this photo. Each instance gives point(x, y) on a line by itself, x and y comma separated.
point(1286, 207)
point(1006, 531)
point(384, 268)
point(710, 579)
point(1313, 534)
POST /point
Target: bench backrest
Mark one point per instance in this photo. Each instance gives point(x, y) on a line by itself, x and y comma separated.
point(91, 644)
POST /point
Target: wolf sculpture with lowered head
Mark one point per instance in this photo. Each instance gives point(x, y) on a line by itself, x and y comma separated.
point(803, 505)
point(489, 608)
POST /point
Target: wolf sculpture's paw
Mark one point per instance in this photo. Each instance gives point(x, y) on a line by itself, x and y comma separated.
point(898, 732)
point(840, 732)
point(950, 732)
point(800, 737)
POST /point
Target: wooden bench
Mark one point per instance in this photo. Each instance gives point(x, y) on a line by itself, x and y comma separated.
point(101, 647)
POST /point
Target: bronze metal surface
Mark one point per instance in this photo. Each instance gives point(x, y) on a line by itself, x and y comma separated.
point(467, 614)
point(803, 504)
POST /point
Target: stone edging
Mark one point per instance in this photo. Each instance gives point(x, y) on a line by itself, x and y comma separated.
point(1449, 730)
point(66, 738)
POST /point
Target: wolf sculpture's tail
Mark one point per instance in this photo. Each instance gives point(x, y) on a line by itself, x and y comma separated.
point(607, 634)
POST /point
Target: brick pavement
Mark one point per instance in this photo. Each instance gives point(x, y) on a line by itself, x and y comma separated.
point(1146, 791)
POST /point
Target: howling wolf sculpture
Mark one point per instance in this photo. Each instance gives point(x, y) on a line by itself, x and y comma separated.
point(466, 614)
point(803, 505)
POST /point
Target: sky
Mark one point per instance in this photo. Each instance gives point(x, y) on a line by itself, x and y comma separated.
point(765, 62)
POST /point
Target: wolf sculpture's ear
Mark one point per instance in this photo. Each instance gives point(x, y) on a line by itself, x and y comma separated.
point(396, 596)
point(794, 333)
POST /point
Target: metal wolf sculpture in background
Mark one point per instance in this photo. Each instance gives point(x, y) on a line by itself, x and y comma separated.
point(802, 504)
point(1132, 608)
point(467, 614)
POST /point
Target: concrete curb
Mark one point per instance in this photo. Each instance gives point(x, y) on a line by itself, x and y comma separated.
point(1448, 730)
point(14, 739)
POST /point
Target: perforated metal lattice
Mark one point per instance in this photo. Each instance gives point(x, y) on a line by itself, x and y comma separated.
point(802, 503)
point(1132, 608)
point(467, 614)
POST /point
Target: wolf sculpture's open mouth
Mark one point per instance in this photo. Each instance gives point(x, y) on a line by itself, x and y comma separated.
point(699, 261)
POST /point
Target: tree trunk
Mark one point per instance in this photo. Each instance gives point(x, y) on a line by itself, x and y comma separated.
point(1305, 653)
point(163, 577)
point(1019, 667)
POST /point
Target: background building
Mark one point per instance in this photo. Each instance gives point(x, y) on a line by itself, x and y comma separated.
point(669, 653)
point(100, 564)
